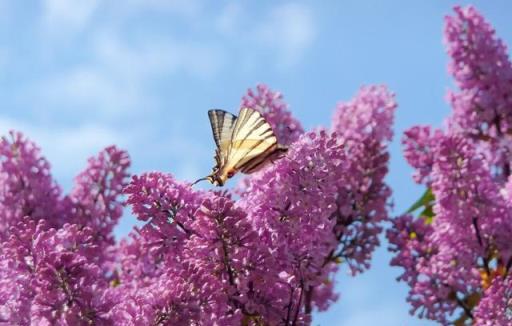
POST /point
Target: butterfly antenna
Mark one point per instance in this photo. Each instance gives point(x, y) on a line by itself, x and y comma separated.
point(199, 180)
point(208, 178)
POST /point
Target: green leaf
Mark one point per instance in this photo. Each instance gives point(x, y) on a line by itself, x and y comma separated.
point(427, 214)
point(425, 200)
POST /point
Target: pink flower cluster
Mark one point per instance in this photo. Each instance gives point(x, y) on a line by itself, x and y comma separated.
point(268, 257)
point(264, 256)
point(483, 73)
point(457, 253)
point(57, 251)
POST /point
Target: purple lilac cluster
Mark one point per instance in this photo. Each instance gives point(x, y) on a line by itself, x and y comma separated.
point(266, 257)
point(457, 253)
point(272, 106)
point(482, 105)
point(270, 256)
point(57, 250)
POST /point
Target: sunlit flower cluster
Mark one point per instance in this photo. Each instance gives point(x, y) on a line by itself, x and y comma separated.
point(265, 255)
point(457, 254)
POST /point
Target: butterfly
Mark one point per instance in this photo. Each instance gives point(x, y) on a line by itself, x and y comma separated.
point(245, 143)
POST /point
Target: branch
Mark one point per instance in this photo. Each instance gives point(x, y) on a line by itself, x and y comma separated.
point(480, 241)
point(299, 303)
point(290, 304)
point(466, 309)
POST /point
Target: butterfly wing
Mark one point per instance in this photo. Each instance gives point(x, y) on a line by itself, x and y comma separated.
point(252, 142)
point(258, 162)
point(222, 124)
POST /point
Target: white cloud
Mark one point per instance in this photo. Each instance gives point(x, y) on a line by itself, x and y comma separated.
point(158, 57)
point(230, 18)
point(68, 17)
point(286, 29)
point(116, 79)
point(290, 29)
point(187, 8)
point(88, 90)
point(63, 17)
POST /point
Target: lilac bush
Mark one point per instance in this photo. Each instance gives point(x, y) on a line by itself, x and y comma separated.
point(57, 251)
point(457, 251)
point(264, 253)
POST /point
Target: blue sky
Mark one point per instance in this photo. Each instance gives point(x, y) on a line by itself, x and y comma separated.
point(78, 75)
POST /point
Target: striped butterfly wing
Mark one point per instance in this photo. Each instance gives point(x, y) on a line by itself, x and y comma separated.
point(222, 124)
point(252, 142)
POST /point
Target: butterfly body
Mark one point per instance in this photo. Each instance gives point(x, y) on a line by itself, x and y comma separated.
point(244, 144)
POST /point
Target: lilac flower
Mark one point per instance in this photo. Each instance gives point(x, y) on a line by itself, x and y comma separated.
point(483, 73)
point(68, 283)
point(468, 238)
point(203, 257)
point(244, 269)
point(17, 267)
point(324, 191)
point(55, 249)
point(367, 117)
point(365, 126)
point(271, 105)
point(184, 296)
point(297, 196)
point(27, 187)
point(269, 257)
point(57, 276)
point(494, 308)
point(457, 254)
point(168, 206)
point(219, 250)
point(419, 143)
point(428, 295)
point(466, 197)
point(95, 200)
point(95, 197)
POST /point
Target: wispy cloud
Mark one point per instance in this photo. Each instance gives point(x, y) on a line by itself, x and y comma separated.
point(112, 77)
point(156, 57)
point(290, 29)
point(4, 11)
point(64, 17)
point(230, 18)
point(112, 80)
point(117, 77)
point(187, 8)
point(287, 29)
point(87, 91)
